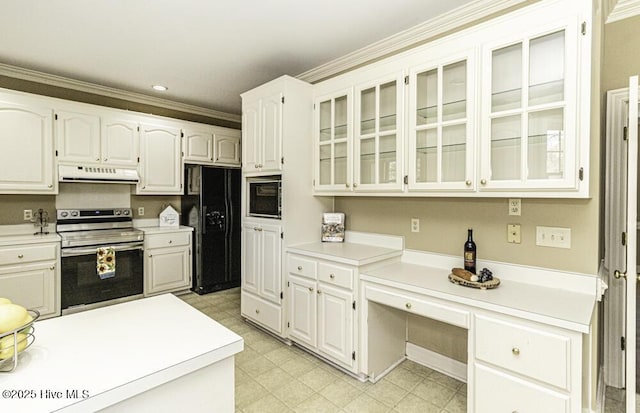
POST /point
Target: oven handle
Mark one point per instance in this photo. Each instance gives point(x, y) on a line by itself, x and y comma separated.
point(73, 252)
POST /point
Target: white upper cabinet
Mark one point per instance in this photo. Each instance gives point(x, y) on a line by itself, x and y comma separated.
point(333, 142)
point(198, 145)
point(26, 148)
point(378, 143)
point(529, 129)
point(499, 109)
point(226, 147)
point(78, 137)
point(211, 145)
point(120, 141)
point(262, 134)
point(160, 160)
point(91, 139)
point(441, 127)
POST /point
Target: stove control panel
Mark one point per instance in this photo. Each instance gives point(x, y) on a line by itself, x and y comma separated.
point(70, 214)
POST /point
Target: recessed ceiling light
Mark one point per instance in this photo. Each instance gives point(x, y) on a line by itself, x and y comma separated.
point(159, 88)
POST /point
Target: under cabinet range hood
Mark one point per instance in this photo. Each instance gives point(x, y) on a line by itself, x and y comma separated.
point(97, 174)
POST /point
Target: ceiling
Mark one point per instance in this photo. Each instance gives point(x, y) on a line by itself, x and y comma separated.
point(205, 52)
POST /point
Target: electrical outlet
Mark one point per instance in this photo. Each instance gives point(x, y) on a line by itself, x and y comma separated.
point(515, 206)
point(415, 225)
point(140, 211)
point(513, 233)
point(553, 237)
point(28, 214)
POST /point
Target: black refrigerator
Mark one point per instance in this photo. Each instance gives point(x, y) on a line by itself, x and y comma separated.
point(211, 205)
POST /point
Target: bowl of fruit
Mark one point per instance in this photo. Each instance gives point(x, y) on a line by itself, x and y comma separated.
point(16, 332)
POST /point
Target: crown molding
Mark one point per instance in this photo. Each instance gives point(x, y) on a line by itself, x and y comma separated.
point(77, 85)
point(621, 9)
point(453, 19)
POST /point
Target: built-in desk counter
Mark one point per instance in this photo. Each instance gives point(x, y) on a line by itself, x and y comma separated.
point(526, 338)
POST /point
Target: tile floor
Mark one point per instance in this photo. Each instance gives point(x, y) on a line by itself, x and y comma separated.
point(274, 377)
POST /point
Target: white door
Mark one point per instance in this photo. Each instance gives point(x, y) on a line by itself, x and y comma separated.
point(250, 136)
point(120, 141)
point(250, 257)
point(160, 155)
point(335, 324)
point(226, 149)
point(632, 242)
point(198, 146)
point(78, 137)
point(302, 310)
point(271, 133)
point(271, 249)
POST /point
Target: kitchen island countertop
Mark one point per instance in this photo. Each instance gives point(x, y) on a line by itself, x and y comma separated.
point(95, 359)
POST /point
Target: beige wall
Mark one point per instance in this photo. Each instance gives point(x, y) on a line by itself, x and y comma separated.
point(621, 56)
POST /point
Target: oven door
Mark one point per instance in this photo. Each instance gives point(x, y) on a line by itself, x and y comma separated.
point(81, 284)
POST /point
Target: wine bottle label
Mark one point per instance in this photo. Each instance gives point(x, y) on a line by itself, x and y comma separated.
point(469, 256)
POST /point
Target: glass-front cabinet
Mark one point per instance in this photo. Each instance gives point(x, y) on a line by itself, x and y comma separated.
point(441, 130)
point(378, 143)
point(333, 135)
point(529, 100)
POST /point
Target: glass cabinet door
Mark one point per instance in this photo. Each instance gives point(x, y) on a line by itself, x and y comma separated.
point(529, 106)
point(378, 136)
point(440, 135)
point(333, 140)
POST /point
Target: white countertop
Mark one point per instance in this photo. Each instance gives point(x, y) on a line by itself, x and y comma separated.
point(553, 306)
point(159, 230)
point(25, 234)
point(345, 252)
point(113, 353)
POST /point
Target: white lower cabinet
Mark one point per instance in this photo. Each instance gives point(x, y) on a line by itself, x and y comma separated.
point(167, 262)
point(322, 308)
point(261, 274)
point(29, 276)
point(527, 362)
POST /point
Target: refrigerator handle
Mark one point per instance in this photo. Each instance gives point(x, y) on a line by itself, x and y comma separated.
point(228, 205)
point(203, 220)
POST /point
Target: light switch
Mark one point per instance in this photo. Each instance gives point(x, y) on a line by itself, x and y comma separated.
point(553, 237)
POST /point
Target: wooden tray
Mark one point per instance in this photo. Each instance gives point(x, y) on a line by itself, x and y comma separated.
point(474, 284)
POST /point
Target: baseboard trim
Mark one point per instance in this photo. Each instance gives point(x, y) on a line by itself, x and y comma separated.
point(437, 362)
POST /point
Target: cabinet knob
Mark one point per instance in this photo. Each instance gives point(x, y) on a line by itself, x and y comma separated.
point(97, 159)
point(170, 241)
point(355, 185)
point(310, 289)
point(106, 159)
point(259, 229)
point(20, 256)
point(468, 183)
point(347, 185)
point(50, 186)
point(299, 267)
point(483, 181)
point(53, 267)
point(150, 255)
point(515, 351)
point(255, 166)
point(257, 311)
point(332, 276)
point(408, 305)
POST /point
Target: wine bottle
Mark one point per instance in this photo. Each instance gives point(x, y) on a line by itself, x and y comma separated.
point(470, 253)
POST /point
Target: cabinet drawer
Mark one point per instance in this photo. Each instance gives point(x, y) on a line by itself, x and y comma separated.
point(416, 305)
point(302, 266)
point(532, 352)
point(172, 239)
point(336, 275)
point(17, 255)
point(262, 312)
point(499, 392)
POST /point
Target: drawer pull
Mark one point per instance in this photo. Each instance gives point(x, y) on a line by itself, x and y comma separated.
point(20, 256)
point(310, 289)
point(515, 351)
point(408, 305)
point(332, 276)
point(170, 241)
point(257, 311)
point(299, 267)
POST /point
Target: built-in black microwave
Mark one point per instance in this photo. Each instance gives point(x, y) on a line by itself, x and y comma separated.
point(265, 197)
